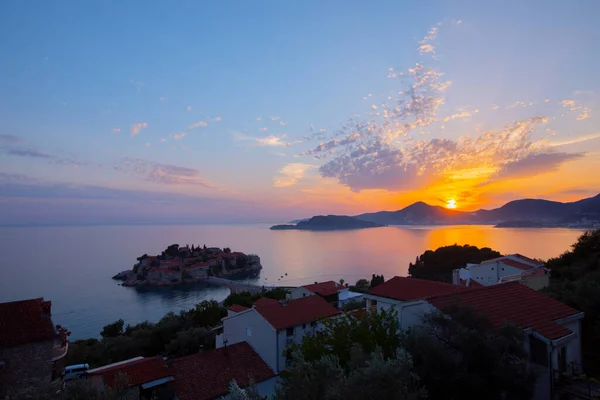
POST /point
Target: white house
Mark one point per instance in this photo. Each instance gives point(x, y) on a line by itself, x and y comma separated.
point(270, 326)
point(552, 328)
point(331, 291)
point(513, 267)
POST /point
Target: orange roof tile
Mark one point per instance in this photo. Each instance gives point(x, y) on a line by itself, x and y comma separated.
point(237, 308)
point(407, 289)
point(297, 312)
point(512, 302)
point(137, 372)
point(516, 264)
point(22, 322)
point(264, 301)
point(323, 288)
point(207, 375)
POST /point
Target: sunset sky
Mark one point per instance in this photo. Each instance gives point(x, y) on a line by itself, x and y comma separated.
point(266, 111)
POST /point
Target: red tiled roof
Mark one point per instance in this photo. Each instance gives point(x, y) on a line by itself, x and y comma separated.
point(22, 322)
point(297, 312)
point(512, 302)
point(323, 288)
point(516, 264)
point(138, 371)
point(265, 301)
point(237, 308)
point(207, 375)
point(472, 283)
point(535, 262)
point(407, 289)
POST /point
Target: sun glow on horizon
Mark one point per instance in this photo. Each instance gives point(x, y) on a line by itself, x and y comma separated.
point(451, 203)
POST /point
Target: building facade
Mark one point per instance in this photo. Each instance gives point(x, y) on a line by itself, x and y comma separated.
point(32, 349)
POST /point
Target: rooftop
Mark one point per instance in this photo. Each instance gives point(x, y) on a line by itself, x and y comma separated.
point(408, 289)
point(323, 288)
point(296, 312)
point(512, 302)
point(237, 308)
point(24, 321)
point(516, 264)
point(138, 370)
point(265, 301)
point(207, 375)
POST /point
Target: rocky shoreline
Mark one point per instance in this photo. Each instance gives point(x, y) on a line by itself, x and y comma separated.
point(180, 265)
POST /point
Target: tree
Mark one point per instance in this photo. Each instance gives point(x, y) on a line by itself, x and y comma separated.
point(191, 341)
point(369, 376)
point(241, 261)
point(362, 285)
point(377, 280)
point(438, 265)
point(342, 282)
point(464, 357)
point(575, 280)
point(207, 313)
point(237, 393)
point(339, 335)
point(113, 330)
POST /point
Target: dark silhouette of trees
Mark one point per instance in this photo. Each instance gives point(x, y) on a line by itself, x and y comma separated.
point(377, 280)
point(438, 265)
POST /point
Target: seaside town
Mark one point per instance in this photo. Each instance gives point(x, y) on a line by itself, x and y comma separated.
point(189, 264)
point(287, 343)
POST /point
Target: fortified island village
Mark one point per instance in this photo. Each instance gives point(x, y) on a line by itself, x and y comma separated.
point(177, 265)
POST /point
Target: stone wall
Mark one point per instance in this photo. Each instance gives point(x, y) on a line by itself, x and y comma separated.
point(26, 365)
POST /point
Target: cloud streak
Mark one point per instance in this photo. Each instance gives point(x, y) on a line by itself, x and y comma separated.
point(164, 174)
point(136, 128)
point(197, 124)
point(291, 174)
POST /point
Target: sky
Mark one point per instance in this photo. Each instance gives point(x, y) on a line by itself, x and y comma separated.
point(266, 111)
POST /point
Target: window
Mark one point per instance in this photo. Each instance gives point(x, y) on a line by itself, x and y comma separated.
point(290, 331)
point(248, 331)
point(303, 326)
point(303, 294)
point(502, 268)
point(538, 351)
point(492, 268)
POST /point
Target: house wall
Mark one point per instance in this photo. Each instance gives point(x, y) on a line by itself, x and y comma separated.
point(489, 273)
point(298, 293)
point(26, 366)
point(410, 313)
point(299, 332)
point(198, 273)
point(251, 327)
point(266, 388)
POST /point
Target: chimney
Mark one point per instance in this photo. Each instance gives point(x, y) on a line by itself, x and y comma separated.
point(47, 308)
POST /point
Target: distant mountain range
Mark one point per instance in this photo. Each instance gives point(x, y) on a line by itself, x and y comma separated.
point(328, 223)
point(584, 213)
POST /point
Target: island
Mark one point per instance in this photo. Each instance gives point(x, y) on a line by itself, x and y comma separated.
point(329, 223)
point(189, 264)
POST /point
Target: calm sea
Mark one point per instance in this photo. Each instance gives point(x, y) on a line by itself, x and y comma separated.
point(72, 266)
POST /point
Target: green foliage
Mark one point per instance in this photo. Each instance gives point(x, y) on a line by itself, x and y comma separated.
point(377, 280)
point(191, 341)
point(353, 305)
point(339, 335)
point(461, 357)
point(575, 280)
point(464, 357)
point(371, 376)
point(247, 299)
point(113, 330)
point(438, 265)
point(237, 393)
point(241, 261)
point(175, 334)
point(361, 285)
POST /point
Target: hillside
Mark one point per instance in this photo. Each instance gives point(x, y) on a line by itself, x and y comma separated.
point(525, 212)
point(328, 223)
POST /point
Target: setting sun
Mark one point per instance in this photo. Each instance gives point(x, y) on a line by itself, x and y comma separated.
point(451, 203)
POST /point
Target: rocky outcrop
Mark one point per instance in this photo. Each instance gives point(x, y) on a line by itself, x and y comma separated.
point(124, 276)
